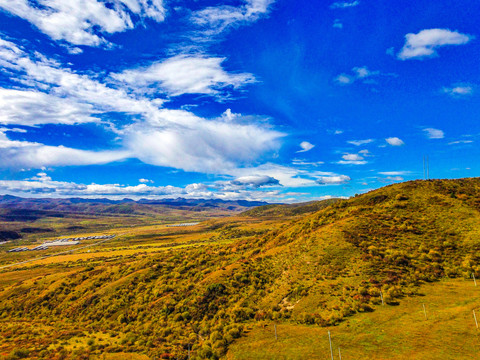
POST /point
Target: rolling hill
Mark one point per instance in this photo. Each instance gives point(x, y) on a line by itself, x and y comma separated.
point(321, 269)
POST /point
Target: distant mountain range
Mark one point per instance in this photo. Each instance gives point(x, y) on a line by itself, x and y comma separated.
point(13, 208)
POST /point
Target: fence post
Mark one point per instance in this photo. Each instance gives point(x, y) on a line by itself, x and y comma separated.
point(330, 341)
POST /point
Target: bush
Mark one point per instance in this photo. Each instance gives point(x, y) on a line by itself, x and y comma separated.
point(18, 354)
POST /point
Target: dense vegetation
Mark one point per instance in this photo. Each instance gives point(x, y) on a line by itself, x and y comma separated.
point(318, 269)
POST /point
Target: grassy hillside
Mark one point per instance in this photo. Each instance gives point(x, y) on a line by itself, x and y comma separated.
point(316, 271)
point(282, 210)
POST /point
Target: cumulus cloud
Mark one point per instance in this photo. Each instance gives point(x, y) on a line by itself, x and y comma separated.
point(460, 90)
point(344, 4)
point(394, 141)
point(425, 43)
point(432, 133)
point(185, 74)
point(216, 19)
point(360, 142)
point(194, 144)
point(145, 181)
point(249, 182)
point(306, 146)
point(84, 22)
point(42, 185)
point(333, 180)
point(301, 176)
point(352, 159)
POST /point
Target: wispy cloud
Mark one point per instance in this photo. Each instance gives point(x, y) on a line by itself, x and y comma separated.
point(337, 24)
point(216, 19)
point(460, 142)
point(344, 4)
point(360, 142)
point(362, 74)
point(395, 173)
point(432, 133)
point(425, 43)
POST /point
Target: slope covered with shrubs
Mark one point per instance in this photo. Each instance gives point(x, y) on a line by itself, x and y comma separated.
point(318, 269)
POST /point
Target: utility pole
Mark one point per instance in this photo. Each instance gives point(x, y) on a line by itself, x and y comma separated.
point(423, 167)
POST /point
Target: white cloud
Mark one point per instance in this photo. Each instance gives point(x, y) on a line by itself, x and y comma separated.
point(287, 176)
point(18, 154)
point(173, 138)
point(146, 181)
point(425, 43)
point(48, 76)
point(432, 133)
point(344, 4)
point(248, 182)
point(394, 178)
point(352, 159)
point(301, 162)
point(394, 173)
point(84, 22)
point(337, 24)
point(344, 79)
point(214, 20)
point(333, 180)
point(32, 107)
point(360, 142)
point(458, 91)
point(460, 142)
point(42, 185)
point(362, 74)
point(306, 146)
point(185, 74)
point(394, 141)
point(192, 143)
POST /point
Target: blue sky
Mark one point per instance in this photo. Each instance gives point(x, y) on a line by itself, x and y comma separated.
point(281, 101)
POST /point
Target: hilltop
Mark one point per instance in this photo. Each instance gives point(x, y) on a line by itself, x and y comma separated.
point(318, 269)
point(283, 210)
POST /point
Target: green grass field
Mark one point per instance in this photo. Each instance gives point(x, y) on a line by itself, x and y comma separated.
point(390, 332)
